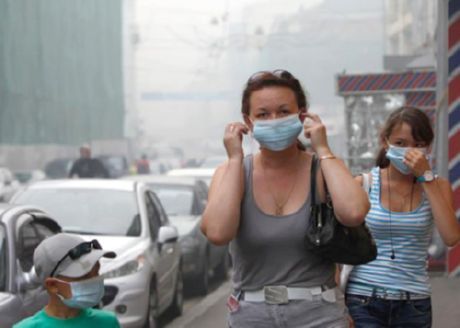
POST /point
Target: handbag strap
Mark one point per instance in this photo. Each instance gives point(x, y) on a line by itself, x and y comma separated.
point(314, 164)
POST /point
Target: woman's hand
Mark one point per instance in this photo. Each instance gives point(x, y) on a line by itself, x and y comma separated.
point(233, 139)
point(315, 130)
point(416, 160)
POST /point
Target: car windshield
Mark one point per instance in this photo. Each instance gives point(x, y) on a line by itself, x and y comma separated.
point(176, 200)
point(88, 211)
point(3, 259)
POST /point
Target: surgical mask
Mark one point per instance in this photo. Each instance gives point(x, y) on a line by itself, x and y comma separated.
point(396, 156)
point(277, 134)
point(85, 294)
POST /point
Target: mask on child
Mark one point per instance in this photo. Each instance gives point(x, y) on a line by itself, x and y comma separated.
point(85, 294)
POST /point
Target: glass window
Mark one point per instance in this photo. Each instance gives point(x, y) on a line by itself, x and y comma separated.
point(3, 259)
point(160, 209)
point(153, 216)
point(176, 200)
point(88, 211)
point(29, 236)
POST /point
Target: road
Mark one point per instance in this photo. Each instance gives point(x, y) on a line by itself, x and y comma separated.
point(211, 311)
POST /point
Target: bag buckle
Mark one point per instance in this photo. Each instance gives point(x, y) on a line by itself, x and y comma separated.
point(276, 295)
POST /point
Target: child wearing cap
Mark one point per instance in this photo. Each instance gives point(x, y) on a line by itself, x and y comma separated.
point(68, 266)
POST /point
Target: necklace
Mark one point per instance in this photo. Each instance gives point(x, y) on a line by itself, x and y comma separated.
point(393, 256)
point(280, 205)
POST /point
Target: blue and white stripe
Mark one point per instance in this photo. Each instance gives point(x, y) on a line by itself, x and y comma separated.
point(410, 236)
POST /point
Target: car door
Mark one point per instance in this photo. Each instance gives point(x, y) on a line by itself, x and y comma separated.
point(163, 263)
point(29, 234)
point(216, 253)
point(172, 250)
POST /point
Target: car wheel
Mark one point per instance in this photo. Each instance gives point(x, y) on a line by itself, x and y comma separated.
point(201, 284)
point(176, 307)
point(152, 309)
point(221, 271)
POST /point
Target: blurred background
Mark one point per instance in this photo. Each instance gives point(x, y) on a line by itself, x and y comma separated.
point(149, 85)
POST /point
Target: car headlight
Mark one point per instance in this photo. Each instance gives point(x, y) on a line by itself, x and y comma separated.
point(126, 269)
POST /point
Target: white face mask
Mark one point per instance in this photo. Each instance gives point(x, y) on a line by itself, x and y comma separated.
point(396, 156)
point(85, 293)
point(277, 134)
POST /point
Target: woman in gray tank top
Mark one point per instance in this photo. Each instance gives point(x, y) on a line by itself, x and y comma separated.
point(260, 205)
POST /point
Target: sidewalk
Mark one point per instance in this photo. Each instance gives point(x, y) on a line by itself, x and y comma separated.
point(446, 302)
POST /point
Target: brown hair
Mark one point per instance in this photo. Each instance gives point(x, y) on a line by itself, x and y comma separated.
point(414, 117)
point(277, 78)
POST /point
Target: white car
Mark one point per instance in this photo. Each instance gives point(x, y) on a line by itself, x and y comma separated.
point(184, 199)
point(8, 184)
point(204, 174)
point(22, 228)
point(125, 216)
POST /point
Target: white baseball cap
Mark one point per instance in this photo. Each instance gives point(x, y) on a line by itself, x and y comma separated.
point(67, 255)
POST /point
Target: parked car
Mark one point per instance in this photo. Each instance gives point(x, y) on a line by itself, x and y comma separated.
point(22, 228)
point(184, 200)
point(204, 174)
point(26, 177)
point(125, 216)
point(116, 165)
point(8, 184)
point(59, 168)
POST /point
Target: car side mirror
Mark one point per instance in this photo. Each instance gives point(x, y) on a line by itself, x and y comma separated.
point(167, 234)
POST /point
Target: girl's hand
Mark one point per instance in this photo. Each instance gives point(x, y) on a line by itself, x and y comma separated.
point(416, 160)
point(233, 139)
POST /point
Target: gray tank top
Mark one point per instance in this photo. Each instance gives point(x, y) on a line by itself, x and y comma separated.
point(269, 250)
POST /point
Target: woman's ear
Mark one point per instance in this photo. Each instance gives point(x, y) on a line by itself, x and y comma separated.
point(248, 122)
point(302, 114)
point(384, 142)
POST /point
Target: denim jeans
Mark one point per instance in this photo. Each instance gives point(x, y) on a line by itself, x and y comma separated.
point(373, 312)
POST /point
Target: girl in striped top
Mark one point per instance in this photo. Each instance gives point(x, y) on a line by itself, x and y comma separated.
point(406, 200)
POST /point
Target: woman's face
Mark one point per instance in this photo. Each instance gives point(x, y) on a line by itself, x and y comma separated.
point(272, 102)
point(401, 136)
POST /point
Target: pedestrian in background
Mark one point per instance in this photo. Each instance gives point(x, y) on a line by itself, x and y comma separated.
point(68, 267)
point(143, 165)
point(406, 199)
point(260, 204)
point(87, 167)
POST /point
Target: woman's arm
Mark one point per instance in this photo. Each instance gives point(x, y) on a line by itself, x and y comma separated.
point(351, 202)
point(440, 196)
point(221, 218)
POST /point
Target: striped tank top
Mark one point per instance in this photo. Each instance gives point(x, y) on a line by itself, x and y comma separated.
point(410, 235)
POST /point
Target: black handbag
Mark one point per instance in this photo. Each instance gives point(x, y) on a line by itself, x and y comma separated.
point(330, 239)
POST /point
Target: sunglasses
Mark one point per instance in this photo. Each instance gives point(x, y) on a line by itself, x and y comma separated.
point(77, 252)
point(279, 73)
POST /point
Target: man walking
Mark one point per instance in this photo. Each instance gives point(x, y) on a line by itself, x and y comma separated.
point(87, 167)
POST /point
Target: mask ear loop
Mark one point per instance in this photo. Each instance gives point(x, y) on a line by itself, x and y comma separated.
point(252, 143)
